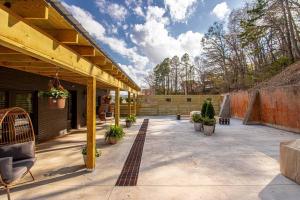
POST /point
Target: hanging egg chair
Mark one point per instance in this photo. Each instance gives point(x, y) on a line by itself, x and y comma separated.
point(15, 126)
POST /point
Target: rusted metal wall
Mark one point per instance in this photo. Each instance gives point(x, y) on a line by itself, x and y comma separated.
point(278, 107)
point(239, 103)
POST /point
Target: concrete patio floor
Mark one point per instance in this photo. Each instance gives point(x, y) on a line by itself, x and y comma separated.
point(238, 162)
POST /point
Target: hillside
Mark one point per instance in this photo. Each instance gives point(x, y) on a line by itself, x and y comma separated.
point(289, 76)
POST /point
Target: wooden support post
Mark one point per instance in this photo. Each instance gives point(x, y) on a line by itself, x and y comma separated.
point(91, 123)
point(129, 104)
point(134, 103)
point(117, 106)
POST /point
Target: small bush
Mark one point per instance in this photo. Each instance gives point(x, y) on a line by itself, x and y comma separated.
point(210, 111)
point(114, 132)
point(131, 118)
point(97, 153)
point(197, 118)
point(203, 109)
point(209, 122)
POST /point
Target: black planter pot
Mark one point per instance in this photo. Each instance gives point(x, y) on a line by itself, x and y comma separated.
point(178, 117)
point(128, 124)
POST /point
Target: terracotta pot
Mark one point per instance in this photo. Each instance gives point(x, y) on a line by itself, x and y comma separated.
point(84, 158)
point(208, 130)
point(112, 140)
point(128, 124)
point(57, 103)
point(198, 126)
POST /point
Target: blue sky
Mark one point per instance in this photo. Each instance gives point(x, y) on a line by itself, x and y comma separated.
point(140, 34)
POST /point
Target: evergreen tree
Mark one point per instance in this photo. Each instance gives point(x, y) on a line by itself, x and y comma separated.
point(203, 110)
point(210, 111)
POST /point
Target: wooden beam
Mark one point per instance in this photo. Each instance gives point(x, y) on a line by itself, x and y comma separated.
point(107, 67)
point(21, 36)
point(17, 58)
point(4, 50)
point(117, 106)
point(28, 64)
point(129, 104)
point(134, 103)
point(85, 50)
point(91, 123)
point(67, 36)
point(98, 60)
point(30, 9)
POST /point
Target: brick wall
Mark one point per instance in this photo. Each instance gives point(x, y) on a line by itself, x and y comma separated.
point(50, 123)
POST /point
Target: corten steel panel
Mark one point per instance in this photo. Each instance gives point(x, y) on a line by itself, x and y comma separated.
point(239, 103)
point(281, 106)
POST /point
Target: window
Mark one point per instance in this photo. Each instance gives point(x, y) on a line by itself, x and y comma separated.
point(189, 99)
point(3, 100)
point(168, 99)
point(24, 100)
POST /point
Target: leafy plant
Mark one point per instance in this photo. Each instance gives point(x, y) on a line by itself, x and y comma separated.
point(203, 109)
point(97, 153)
point(197, 118)
point(210, 111)
point(56, 93)
point(131, 118)
point(209, 122)
point(114, 132)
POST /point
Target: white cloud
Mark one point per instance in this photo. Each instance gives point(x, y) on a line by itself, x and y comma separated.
point(154, 40)
point(139, 11)
point(116, 11)
point(96, 30)
point(221, 10)
point(181, 10)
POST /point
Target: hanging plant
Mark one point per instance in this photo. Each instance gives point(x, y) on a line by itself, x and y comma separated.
point(56, 94)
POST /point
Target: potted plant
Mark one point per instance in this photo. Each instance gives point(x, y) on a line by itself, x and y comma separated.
point(84, 153)
point(197, 119)
point(208, 126)
point(209, 120)
point(107, 99)
point(130, 120)
point(56, 94)
point(114, 134)
point(133, 118)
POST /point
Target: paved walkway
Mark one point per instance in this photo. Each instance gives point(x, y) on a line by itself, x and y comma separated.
point(238, 162)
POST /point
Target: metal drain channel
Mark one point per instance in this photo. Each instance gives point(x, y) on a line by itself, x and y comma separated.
point(130, 171)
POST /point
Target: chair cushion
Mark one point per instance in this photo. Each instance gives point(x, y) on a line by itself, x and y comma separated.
point(28, 163)
point(17, 173)
point(6, 168)
point(18, 151)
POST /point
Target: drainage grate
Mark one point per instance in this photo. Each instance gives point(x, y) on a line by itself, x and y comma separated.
point(130, 171)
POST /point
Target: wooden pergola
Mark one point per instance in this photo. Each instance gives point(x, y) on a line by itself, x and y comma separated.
point(41, 37)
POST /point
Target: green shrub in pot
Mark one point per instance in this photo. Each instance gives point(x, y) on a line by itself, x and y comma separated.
point(197, 119)
point(114, 134)
point(209, 120)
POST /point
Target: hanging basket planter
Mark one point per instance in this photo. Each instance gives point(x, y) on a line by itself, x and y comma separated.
point(54, 103)
point(56, 94)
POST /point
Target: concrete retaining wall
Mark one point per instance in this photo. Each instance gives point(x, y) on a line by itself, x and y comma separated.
point(278, 107)
point(173, 104)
